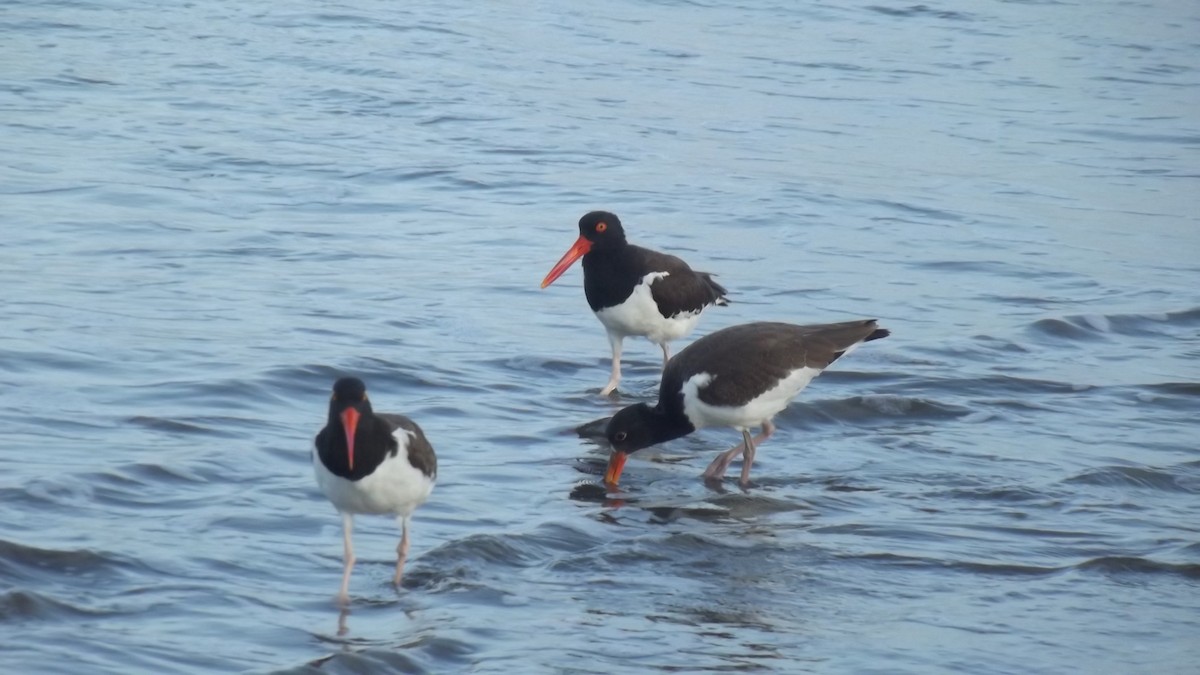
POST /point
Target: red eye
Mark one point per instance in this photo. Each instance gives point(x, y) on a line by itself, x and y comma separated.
point(600, 227)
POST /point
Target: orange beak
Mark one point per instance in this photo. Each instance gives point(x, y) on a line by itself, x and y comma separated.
point(616, 464)
point(350, 418)
point(577, 251)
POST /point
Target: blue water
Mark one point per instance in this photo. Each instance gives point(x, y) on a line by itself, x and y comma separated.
point(212, 210)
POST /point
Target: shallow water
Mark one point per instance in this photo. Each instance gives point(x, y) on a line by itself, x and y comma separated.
point(214, 210)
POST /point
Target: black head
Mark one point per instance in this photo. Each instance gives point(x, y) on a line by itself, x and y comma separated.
point(602, 228)
point(598, 231)
point(633, 428)
point(636, 427)
point(348, 392)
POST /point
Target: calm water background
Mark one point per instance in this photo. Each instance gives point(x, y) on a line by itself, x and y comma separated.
point(213, 209)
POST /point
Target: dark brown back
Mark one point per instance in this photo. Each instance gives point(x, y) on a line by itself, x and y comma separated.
point(749, 359)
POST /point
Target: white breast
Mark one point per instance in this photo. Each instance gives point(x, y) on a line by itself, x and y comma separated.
point(395, 487)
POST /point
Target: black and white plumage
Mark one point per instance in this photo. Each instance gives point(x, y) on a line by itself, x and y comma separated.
point(635, 291)
point(740, 377)
point(371, 463)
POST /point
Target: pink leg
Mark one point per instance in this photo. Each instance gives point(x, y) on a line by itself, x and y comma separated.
point(718, 466)
point(746, 447)
point(401, 550)
point(666, 354)
point(615, 341)
point(748, 458)
point(343, 597)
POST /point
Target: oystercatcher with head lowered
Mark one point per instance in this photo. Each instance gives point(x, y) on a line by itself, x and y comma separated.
point(368, 462)
point(739, 377)
point(635, 291)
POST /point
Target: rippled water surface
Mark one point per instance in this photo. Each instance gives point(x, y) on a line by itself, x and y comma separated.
point(211, 210)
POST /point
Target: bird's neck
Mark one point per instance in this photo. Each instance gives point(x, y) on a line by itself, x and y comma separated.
point(373, 442)
point(668, 427)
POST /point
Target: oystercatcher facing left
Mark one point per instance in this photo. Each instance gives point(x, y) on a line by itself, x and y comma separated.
point(739, 377)
point(368, 462)
point(636, 291)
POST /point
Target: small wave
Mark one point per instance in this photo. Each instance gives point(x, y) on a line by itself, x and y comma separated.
point(1138, 477)
point(512, 550)
point(179, 426)
point(925, 212)
point(19, 605)
point(1096, 326)
point(397, 382)
point(974, 567)
point(1060, 328)
point(1175, 396)
point(739, 505)
point(875, 408)
point(1174, 388)
point(18, 561)
point(996, 494)
point(363, 661)
point(670, 514)
point(145, 474)
point(425, 653)
point(996, 385)
point(230, 394)
point(391, 176)
point(29, 361)
point(1136, 565)
point(1109, 565)
point(920, 11)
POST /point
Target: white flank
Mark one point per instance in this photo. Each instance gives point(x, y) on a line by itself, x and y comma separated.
point(760, 409)
point(638, 315)
point(395, 487)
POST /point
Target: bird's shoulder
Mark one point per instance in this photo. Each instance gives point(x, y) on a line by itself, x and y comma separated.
point(420, 452)
point(676, 287)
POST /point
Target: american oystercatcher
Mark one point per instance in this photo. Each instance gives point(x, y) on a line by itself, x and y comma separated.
point(739, 377)
point(368, 462)
point(635, 291)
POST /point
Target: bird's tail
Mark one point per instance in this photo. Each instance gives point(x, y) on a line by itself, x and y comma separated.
point(718, 290)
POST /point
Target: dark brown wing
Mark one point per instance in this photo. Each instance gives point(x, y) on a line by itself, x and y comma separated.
point(683, 289)
point(420, 452)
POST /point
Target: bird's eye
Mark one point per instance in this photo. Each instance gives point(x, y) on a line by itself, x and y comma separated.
point(601, 226)
point(620, 436)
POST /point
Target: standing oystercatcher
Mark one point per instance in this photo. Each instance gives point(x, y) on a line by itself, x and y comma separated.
point(739, 377)
point(368, 462)
point(635, 291)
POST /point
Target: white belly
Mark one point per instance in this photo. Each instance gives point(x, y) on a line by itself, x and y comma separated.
point(760, 409)
point(396, 487)
point(639, 315)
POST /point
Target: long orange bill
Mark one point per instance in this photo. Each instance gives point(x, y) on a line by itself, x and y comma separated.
point(616, 464)
point(577, 251)
point(350, 418)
